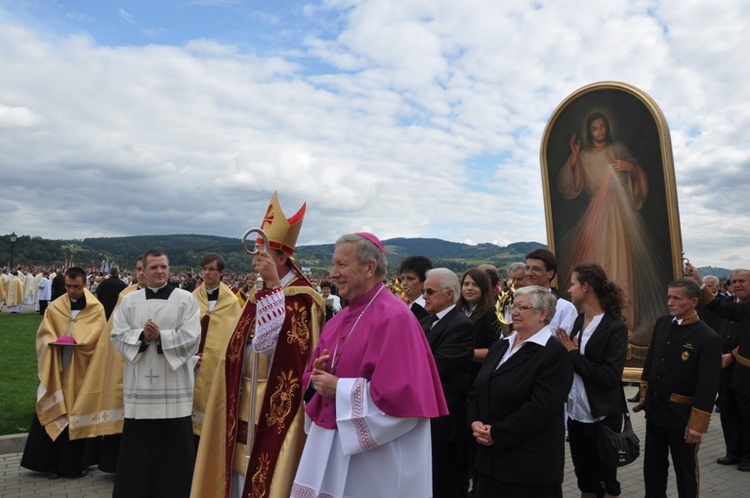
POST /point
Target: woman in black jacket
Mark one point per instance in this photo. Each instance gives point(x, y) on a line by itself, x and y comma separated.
point(477, 301)
point(516, 407)
point(597, 347)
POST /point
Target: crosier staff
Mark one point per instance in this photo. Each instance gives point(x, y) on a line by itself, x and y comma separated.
point(256, 355)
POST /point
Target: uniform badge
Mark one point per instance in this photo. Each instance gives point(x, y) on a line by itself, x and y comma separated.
point(685, 356)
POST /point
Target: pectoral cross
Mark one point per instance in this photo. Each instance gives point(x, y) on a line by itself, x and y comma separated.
point(151, 376)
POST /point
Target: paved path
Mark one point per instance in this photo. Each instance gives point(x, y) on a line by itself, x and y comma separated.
point(716, 481)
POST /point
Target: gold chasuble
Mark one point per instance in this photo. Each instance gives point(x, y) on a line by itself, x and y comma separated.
point(280, 435)
point(57, 393)
point(98, 410)
point(14, 291)
point(216, 328)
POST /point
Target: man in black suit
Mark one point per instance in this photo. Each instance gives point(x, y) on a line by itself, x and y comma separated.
point(726, 402)
point(413, 271)
point(451, 337)
point(737, 310)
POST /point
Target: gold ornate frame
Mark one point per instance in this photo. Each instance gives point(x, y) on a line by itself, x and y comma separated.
point(639, 113)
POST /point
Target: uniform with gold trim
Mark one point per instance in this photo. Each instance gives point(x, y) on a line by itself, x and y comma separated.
point(739, 385)
point(679, 382)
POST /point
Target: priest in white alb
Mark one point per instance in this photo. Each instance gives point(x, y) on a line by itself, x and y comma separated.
point(157, 330)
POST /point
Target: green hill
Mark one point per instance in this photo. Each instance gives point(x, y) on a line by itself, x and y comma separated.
point(185, 251)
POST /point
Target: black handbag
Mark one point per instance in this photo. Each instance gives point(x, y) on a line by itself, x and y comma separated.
point(617, 449)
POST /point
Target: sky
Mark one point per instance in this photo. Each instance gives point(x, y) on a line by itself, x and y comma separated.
point(406, 118)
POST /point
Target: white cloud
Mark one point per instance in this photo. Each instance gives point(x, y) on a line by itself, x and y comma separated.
point(411, 117)
point(16, 117)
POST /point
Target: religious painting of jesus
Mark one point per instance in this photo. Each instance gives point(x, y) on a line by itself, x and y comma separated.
point(610, 198)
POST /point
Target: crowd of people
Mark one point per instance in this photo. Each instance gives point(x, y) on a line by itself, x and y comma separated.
point(275, 384)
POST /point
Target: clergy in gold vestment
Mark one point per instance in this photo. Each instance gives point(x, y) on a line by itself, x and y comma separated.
point(220, 310)
point(98, 410)
point(3, 285)
point(14, 292)
point(76, 317)
point(222, 468)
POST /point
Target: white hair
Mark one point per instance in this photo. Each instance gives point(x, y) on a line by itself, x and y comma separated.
point(448, 281)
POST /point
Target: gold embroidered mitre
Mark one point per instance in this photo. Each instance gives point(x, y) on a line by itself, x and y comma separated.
point(282, 232)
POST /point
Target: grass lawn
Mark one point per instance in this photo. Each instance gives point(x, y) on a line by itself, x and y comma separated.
point(18, 377)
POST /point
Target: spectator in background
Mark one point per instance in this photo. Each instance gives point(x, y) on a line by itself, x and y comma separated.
point(413, 272)
point(516, 275)
point(496, 283)
point(189, 283)
point(333, 302)
point(109, 290)
point(45, 292)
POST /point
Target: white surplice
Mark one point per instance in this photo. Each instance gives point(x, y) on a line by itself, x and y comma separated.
point(368, 455)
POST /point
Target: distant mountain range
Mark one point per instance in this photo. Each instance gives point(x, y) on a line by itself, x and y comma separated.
point(186, 251)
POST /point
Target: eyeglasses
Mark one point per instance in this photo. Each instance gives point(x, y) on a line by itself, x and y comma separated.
point(429, 292)
point(517, 309)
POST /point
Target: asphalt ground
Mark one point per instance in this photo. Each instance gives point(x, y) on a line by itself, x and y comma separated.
point(716, 480)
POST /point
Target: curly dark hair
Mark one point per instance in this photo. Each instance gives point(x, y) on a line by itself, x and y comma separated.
point(610, 295)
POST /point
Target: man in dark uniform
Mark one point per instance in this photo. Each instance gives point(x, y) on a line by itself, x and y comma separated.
point(678, 388)
point(736, 309)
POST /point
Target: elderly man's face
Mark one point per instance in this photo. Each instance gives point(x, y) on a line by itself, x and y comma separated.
point(436, 298)
point(741, 285)
point(711, 285)
point(519, 278)
point(352, 278)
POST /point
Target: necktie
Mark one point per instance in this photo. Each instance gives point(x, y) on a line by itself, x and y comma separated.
point(428, 324)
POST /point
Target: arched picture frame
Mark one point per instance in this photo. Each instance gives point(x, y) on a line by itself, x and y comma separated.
point(610, 198)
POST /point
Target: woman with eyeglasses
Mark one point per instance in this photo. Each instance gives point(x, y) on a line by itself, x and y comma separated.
point(516, 408)
point(597, 346)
